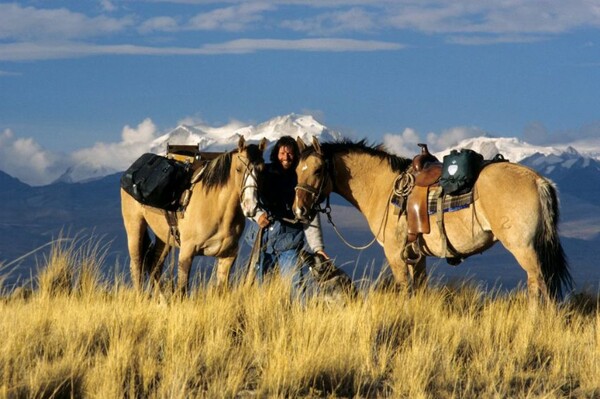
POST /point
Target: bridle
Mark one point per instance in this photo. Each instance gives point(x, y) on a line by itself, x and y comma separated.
point(317, 193)
point(250, 179)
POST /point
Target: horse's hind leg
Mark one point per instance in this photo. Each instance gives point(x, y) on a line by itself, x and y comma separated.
point(528, 259)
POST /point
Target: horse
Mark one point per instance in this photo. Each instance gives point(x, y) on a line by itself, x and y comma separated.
point(512, 204)
point(226, 192)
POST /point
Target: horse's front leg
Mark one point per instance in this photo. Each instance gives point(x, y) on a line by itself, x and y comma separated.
point(418, 273)
point(224, 271)
point(398, 266)
point(161, 250)
point(184, 265)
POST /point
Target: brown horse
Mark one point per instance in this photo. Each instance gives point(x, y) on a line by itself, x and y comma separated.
point(211, 225)
point(513, 204)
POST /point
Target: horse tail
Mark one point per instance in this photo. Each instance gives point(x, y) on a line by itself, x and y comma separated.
point(550, 253)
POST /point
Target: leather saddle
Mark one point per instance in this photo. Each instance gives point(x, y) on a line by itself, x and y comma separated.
point(426, 169)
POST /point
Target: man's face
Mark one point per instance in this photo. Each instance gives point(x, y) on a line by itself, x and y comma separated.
point(286, 157)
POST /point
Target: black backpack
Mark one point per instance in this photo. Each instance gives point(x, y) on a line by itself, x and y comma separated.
point(156, 181)
point(460, 170)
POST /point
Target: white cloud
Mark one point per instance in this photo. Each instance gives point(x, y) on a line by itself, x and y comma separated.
point(478, 40)
point(43, 51)
point(318, 44)
point(27, 23)
point(118, 156)
point(353, 20)
point(405, 143)
point(451, 137)
point(160, 24)
point(234, 18)
point(143, 133)
point(26, 160)
point(31, 33)
point(108, 5)
point(8, 73)
point(537, 133)
point(499, 17)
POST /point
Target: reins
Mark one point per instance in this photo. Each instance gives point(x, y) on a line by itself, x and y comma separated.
point(316, 193)
point(327, 211)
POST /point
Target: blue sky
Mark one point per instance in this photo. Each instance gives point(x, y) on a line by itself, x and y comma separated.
point(76, 74)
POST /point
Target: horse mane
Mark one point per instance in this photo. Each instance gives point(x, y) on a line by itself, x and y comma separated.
point(218, 171)
point(346, 146)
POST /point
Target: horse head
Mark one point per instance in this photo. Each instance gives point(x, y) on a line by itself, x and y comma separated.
point(313, 183)
point(250, 163)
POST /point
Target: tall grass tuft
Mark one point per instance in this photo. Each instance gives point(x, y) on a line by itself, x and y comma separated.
point(76, 336)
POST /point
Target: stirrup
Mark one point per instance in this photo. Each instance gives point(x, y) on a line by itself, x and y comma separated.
point(412, 253)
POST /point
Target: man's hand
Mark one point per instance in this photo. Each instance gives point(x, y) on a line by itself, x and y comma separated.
point(263, 220)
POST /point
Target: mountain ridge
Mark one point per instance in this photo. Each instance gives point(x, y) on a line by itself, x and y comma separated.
point(34, 216)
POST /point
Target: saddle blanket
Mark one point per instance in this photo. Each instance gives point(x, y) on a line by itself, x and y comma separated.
point(451, 203)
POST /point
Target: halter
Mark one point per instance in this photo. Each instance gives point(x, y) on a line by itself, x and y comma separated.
point(317, 193)
point(250, 167)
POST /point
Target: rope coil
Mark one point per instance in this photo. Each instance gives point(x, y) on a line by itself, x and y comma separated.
point(404, 184)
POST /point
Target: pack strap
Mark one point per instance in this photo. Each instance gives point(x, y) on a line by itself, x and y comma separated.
point(171, 217)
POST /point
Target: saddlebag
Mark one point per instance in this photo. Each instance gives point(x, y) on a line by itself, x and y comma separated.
point(460, 170)
point(156, 181)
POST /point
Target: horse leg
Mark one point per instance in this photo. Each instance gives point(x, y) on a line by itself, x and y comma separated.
point(138, 244)
point(418, 273)
point(184, 265)
point(224, 271)
point(161, 250)
point(536, 285)
point(398, 267)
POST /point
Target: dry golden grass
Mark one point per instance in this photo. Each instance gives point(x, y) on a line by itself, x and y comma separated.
point(77, 336)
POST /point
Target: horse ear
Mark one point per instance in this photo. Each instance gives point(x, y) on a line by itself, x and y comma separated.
point(300, 142)
point(316, 145)
point(263, 144)
point(241, 143)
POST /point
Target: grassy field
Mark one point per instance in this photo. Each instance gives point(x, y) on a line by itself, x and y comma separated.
point(75, 335)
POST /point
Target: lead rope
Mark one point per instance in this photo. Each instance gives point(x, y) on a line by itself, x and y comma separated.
point(327, 211)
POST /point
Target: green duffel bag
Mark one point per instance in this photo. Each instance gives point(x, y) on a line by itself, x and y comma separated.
point(460, 170)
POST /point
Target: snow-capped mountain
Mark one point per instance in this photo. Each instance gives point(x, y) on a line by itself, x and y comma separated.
point(32, 216)
point(210, 138)
point(511, 148)
point(574, 173)
point(84, 172)
point(223, 138)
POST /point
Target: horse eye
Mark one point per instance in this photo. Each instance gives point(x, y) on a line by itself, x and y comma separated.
point(238, 169)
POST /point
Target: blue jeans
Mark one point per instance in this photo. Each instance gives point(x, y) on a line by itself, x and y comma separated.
point(288, 268)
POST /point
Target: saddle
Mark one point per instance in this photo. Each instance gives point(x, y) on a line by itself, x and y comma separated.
point(189, 154)
point(426, 170)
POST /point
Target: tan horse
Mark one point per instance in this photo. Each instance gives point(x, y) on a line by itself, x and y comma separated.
point(210, 226)
point(514, 205)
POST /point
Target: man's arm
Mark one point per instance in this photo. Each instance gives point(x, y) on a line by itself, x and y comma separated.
point(314, 236)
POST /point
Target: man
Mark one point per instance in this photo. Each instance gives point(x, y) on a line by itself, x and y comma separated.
point(283, 238)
